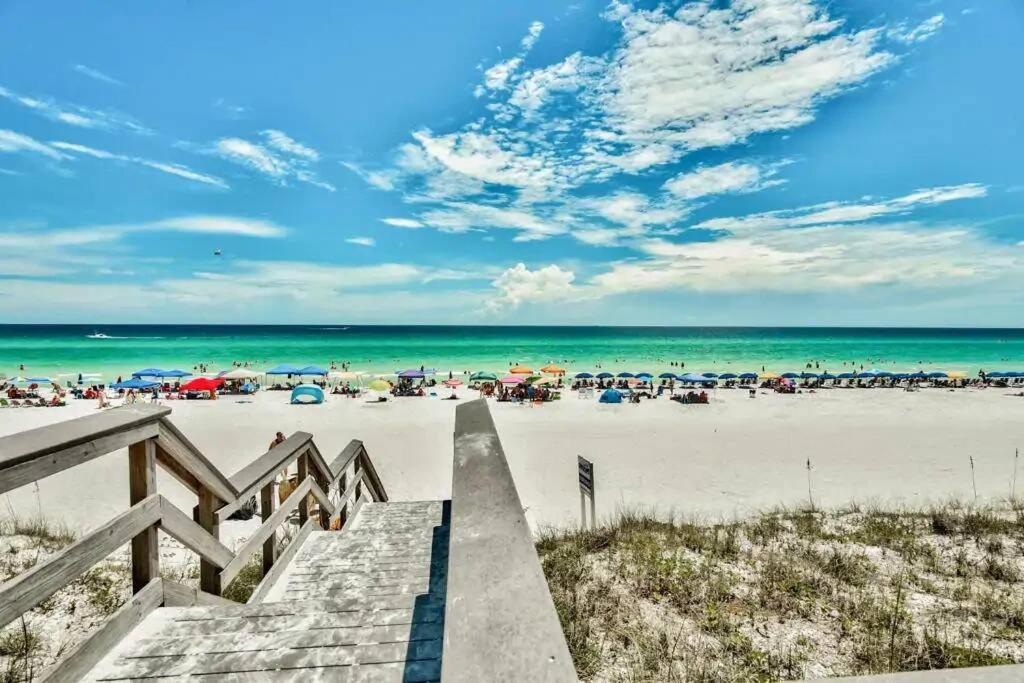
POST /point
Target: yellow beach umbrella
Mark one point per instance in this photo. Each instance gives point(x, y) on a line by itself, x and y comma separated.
point(768, 375)
point(521, 370)
point(957, 374)
point(379, 385)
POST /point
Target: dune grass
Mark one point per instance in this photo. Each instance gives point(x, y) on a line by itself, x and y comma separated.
point(790, 594)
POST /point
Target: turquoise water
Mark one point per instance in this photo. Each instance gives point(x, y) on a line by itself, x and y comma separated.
point(54, 349)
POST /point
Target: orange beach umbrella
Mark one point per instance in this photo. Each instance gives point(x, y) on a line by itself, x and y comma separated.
point(553, 369)
point(521, 370)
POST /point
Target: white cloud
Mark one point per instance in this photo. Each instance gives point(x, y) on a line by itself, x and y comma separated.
point(920, 33)
point(382, 180)
point(75, 115)
point(281, 159)
point(483, 158)
point(96, 75)
point(497, 76)
point(173, 169)
point(532, 34)
point(723, 178)
point(403, 222)
point(16, 142)
point(534, 89)
point(362, 241)
point(846, 212)
point(468, 216)
point(519, 285)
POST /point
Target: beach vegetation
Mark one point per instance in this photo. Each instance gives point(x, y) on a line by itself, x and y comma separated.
point(790, 594)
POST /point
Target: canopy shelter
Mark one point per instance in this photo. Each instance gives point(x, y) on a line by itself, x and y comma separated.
point(553, 369)
point(307, 394)
point(135, 383)
point(520, 370)
point(174, 374)
point(284, 369)
point(411, 374)
point(147, 372)
point(937, 375)
point(610, 396)
point(241, 373)
point(313, 370)
point(203, 384)
point(769, 375)
point(694, 378)
point(512, 379)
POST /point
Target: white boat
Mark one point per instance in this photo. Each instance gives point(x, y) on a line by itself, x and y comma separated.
point(98, 335)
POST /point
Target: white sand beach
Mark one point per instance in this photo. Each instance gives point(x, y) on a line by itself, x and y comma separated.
point(731, 457)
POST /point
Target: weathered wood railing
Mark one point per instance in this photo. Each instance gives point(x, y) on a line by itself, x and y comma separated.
point(153, 440)
point(500, 622)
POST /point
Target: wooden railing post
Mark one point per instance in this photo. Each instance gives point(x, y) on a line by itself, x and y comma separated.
point(142, 483)
point(209, 573)
point(343, 509)
point(303, 472)
point(324, 483)
point(267, 505)
point(358, 469)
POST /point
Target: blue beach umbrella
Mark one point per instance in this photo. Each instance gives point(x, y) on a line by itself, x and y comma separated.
point(37, 380)
point(999, 374)
point(883, 373)
point(826, 375)
point(694, 378)
point(666, 375)
point(866, 373)
point(919, 375)
point(809, 375)
point(845, 375)
point(727, 375)
point(604, 375)
point(709, 375)
point(584, 375)
point(789, 375)
point(625, 375)
point(900, 375)
point(937, 375)
point(748, 375)
point(135, 383)
point(643, 375)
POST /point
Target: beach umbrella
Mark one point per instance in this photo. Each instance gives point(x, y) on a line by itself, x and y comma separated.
point(900, 375)
point(883, 373)
point(532, 379)
point(866, 373)
point(788, 375)
point(452, 383)
point(826, 375)
point(483, 376)
point(544, 381)
point(553, 369)
point(173, 373)
point(727, 375)
point(135, 383)
point(625, 375)
point(410, 374)
point(512, 379)
point(379, 385)
point(584, 375)
point(147, 372)
point(694, 378)
point(710, 375)
point(344, 374)
point(604, 375)
point(845, 375)
point(284, 369)
point(919, 375)
point(937, 375)
point(520, 370)
point(666, 375)
point(643, 375)
point(39, 380)
point(998, 374)
point(241, 373)
point(748, 375)
point(809, 375)
point(769, 375)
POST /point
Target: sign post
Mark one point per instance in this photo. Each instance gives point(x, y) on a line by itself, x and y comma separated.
point(586, 476)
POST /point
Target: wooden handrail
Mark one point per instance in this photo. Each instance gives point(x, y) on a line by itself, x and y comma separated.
point(194, 537)
point(25, 591)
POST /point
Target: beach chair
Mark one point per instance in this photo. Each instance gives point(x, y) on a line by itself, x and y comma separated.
point(4, 403)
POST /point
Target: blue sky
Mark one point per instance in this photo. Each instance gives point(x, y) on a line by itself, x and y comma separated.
point(746, 162)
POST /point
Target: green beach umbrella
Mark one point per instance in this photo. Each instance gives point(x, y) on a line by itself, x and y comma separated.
point(483, 376)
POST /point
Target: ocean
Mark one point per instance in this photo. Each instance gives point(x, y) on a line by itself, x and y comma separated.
point(56, 349)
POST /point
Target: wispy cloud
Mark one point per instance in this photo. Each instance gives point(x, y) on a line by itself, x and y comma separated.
point(96, 75)
point(173, 169)
point(75, 115)
point(13, 142)
point(497, 76)
point(362, 241)
point(728, 177)
point(403, 222)
point(920, 33)
point(279, 157)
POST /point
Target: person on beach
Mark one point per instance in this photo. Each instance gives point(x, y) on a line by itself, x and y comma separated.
point(277, 440)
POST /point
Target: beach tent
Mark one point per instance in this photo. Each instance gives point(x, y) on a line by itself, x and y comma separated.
point(604, 375)
point(284, 369)
point(135, 383)
point(520, 370)
point(312, 370)
point(241, 373)
point(203, 384)
point(611, 396)
point(410, 374)
point(147, 372)
point(727, 375)
point(307, 394)
point(584, 375)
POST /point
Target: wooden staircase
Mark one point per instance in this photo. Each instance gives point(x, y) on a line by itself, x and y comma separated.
point(365, 604)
